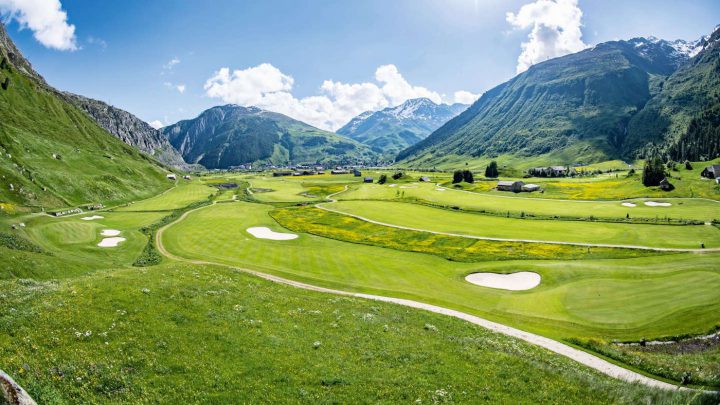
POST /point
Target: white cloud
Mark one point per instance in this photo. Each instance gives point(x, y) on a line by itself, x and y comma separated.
point(555, 30)
point(465, 97)
point(97, 41)
point(46, 19)
point(179, 87)
point(157, 124)
point(265, 86)
point(171, 63)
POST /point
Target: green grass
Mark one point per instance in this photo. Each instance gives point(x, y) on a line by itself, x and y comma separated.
point(184, 333)
point(440, 220)
point(341, 227)
point(681, 292)
point(502, 202)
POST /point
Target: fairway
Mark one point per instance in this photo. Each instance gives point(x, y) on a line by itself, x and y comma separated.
point(217, 233)
point(441, 220)
point(496, 202)
point(181, 195)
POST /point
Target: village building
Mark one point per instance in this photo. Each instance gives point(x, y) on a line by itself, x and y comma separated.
point(425, 178)
point(514, 186)
point(282, 174)
point(530, 187)
point(338, 171)
point(665, 185)
point(171, 176)
point(368, 180)
point(357, 173)
point(711, 172)
point(186, 177)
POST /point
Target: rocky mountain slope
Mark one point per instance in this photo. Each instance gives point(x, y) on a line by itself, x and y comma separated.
point(232, 135)
point(129, 129)
point(574, 108)
point(395, 128)
point(53, 155)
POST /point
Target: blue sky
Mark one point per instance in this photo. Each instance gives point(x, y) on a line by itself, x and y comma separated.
point(320, 61)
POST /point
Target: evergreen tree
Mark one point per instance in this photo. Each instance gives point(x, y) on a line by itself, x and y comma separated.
point(457, 177)
point(468, 176)
point(491, 171)
point(383, 179)
point(653, 172)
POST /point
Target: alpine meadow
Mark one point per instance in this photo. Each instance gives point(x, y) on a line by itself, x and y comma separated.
point(225, 205)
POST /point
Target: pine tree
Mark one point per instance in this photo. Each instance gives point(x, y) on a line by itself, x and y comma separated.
point(491, 171)
point(457, 177)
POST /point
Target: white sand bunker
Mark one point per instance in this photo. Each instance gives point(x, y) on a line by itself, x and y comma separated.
point(523, 280)
point(657, 204)
point(628, 204)
point(110, 242)
point(408, 186)
point(439, 189)
point(110, 232)
point(262, 232)
point(393, 185)
point(92, 218)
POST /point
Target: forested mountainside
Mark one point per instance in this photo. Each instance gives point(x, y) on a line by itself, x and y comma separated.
point(232, 135)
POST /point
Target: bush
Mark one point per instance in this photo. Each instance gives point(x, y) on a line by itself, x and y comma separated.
point(688, 166)
point(383, 179)
point(397, 175)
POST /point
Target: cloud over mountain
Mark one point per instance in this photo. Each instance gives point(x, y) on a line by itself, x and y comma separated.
point(46, 19)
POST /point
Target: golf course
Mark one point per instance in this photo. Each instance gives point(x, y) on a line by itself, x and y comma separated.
point(591, 283)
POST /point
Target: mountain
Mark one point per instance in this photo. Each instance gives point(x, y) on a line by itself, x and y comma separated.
point(573, 108)
point(393, 129)
point(232, 135)
point(682, 122)
point(129, 129)
point(53, 155)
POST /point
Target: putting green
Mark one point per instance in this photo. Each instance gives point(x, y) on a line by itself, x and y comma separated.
point(442, 220)
point(217, 233)
point(681, 208)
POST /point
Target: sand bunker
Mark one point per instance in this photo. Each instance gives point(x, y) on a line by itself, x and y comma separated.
point(393, 185)
point(262, 232)
point(523, 280)
point(657, 204)
point(110, 242)
point(408, 186)
point(110, 232)
point(439, 189)
point(628, 204)
point(92, 218)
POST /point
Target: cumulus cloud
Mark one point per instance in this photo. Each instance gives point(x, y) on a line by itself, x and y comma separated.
point(554, 30)
point(465, 97)
point(157, 124)
point(267, 87)
point(180, 88)
point(46, 19)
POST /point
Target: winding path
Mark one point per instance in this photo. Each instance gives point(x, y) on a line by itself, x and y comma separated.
point(580, 356)
point(460, 235)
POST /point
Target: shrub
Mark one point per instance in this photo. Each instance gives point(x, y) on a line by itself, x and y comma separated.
point(688, 166)
point(383, 179)
point(397, 175)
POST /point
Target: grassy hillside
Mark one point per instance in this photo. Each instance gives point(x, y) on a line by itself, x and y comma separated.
point(53, 155)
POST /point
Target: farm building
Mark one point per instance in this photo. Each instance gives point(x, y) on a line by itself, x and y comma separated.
point(357, 173)
point(368, 180)
point(339, 172)
point(514, 186)
point(711, 172)
point(171, 176)
point(530, 187)
point(281, 174)
point(425, 178)
point(186, 177)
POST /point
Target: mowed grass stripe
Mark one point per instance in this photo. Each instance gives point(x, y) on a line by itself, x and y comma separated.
point(497, 202)
point(440, 220)
point(217, 234)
